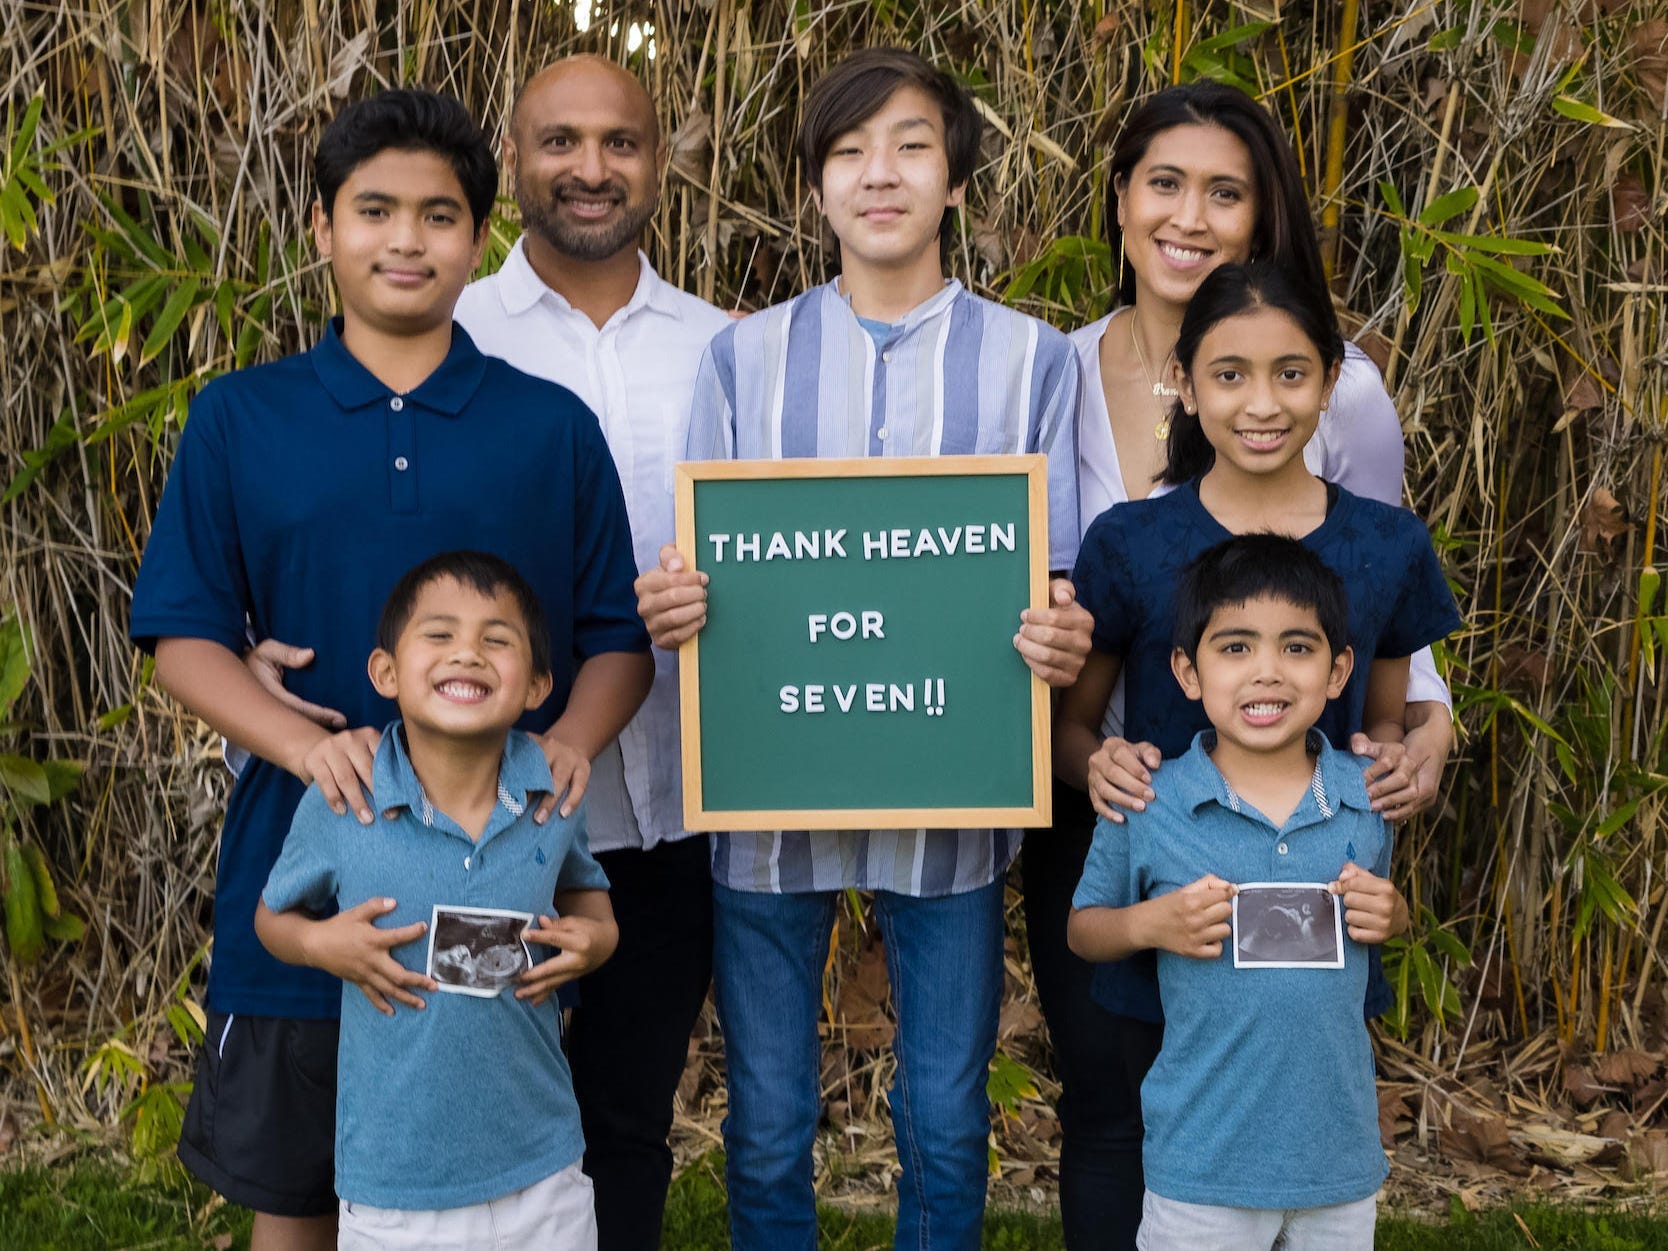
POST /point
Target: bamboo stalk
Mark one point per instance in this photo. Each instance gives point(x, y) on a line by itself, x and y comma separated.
point(1337, 124)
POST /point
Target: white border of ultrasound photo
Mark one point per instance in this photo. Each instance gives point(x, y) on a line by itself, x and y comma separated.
point(1293, 950)
point(482, 985)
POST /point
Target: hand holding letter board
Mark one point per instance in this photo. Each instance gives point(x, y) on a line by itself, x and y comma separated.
point(857, 667)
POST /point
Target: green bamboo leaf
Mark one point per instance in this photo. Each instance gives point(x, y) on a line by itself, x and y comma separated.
point(64, 928)
point(25, 779)
point(25, 137)
point(1451, 947)
point(1577, 110)
point(1443, 40)
point(14, 662)
point(1497, 244)
point(1460, 200)
point(61, 777)
point(1467, 305)
point(1392, 197)
point(1232, 38)
point(168, 321)
point(1650, 582)
point(1617, 819)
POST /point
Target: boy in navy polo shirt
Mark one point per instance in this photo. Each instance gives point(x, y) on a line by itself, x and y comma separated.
point(1261, 1115)
point(300, 493)
point(456, 1126)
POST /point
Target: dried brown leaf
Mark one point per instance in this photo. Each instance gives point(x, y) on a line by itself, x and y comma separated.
point(1630, 203)
point(1627, 1067)
point(1580, 1086)
point(691, 146)
point(1104, 30)
point(861, 1006)
point(1482, 1140)
point(1603, 521)
point(1393, 1116)
point(1650, 60)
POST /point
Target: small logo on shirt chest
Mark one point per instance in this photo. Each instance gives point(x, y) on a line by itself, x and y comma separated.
point(538, 855)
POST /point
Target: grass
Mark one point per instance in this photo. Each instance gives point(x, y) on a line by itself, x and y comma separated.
point(88, 1205)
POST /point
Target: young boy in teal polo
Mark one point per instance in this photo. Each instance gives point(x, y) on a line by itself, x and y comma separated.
point(1261, 1113)
point(456, 1125)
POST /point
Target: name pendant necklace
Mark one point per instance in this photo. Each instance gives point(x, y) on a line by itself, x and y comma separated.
point(1161, 431)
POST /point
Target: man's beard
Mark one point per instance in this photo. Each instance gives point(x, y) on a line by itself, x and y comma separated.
point(582, 241)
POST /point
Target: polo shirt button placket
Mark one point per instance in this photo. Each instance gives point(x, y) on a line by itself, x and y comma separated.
point(402, 448)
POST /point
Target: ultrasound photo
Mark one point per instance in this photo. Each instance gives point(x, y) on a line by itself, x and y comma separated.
point(1288, 925)
point(477, 951)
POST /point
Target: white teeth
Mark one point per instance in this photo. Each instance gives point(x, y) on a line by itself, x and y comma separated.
point(1181, 253)
point(462, 690)
point(1262, 436)
point(1264, 710)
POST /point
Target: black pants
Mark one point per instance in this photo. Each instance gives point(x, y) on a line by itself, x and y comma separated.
point(629, 1036)
point(1099, 1058)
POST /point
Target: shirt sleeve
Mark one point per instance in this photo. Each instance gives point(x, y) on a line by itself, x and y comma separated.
point(1361, 436)
point(307, 875)
point(1424, 683)
point(604, 604)
point(1386, 848)
point(1424, 610)
point(1056, 436)
point(192, 582)
point(1108, 878)
point(1102, 578)
point(580, 870)
point(712, 415)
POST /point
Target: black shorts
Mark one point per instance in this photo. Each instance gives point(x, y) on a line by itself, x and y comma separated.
point(261, 1125)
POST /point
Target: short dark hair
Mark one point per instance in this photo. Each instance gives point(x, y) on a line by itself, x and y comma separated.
point(860, 85)
point(481, 571)
point(1284, 231)
point(408, 120)
point(1228, 291)
point(1249, 566)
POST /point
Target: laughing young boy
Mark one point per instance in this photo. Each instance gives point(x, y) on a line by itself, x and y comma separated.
point(456, 1126)
point(1261, 1114)
point(301, 491)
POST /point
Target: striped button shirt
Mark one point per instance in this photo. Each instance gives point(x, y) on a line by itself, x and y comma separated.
point(958, 375)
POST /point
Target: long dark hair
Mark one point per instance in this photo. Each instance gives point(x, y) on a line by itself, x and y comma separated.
point(1228, 291)
point(1284, 232)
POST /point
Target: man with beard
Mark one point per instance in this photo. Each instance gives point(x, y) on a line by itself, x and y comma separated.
point(576, 302)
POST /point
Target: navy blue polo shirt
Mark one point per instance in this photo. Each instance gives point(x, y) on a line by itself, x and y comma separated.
point(300, 492)
point(1126, 576)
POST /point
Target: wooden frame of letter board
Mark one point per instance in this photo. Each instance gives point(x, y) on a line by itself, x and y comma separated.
point(697, 817)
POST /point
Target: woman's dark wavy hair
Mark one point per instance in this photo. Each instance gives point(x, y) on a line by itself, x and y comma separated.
point(1284, 231)
point(407, 120)
point(1228, 291)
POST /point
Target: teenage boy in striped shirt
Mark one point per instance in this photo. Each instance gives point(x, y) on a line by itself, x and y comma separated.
point(890, 359)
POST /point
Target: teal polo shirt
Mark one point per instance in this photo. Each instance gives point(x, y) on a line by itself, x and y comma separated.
point(300, 492)
point(470, 1098)
point(1263, 1095)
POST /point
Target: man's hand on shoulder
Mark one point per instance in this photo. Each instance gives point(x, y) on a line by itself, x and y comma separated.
point(341, 766)
point(570, 771)
point(352, 947)
point(1054, 641)
point(672, 600)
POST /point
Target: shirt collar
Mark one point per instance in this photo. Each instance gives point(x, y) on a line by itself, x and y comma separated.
point(1336, 781)
point(522, 773)
point(928, 310)
point(520, 288)
point(451, 386)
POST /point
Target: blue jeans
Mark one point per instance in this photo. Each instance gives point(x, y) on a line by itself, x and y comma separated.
point(944, 959)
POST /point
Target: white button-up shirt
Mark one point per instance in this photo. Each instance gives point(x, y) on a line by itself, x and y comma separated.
point(637, 374)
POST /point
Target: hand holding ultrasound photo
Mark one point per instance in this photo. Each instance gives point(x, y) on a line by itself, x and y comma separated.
point(477, 951)
point(1287, 925)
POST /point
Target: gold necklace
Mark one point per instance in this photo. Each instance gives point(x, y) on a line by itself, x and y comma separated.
point(1161, 431)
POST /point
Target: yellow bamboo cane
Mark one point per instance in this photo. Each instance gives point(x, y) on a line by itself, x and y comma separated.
point(1337, 123)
